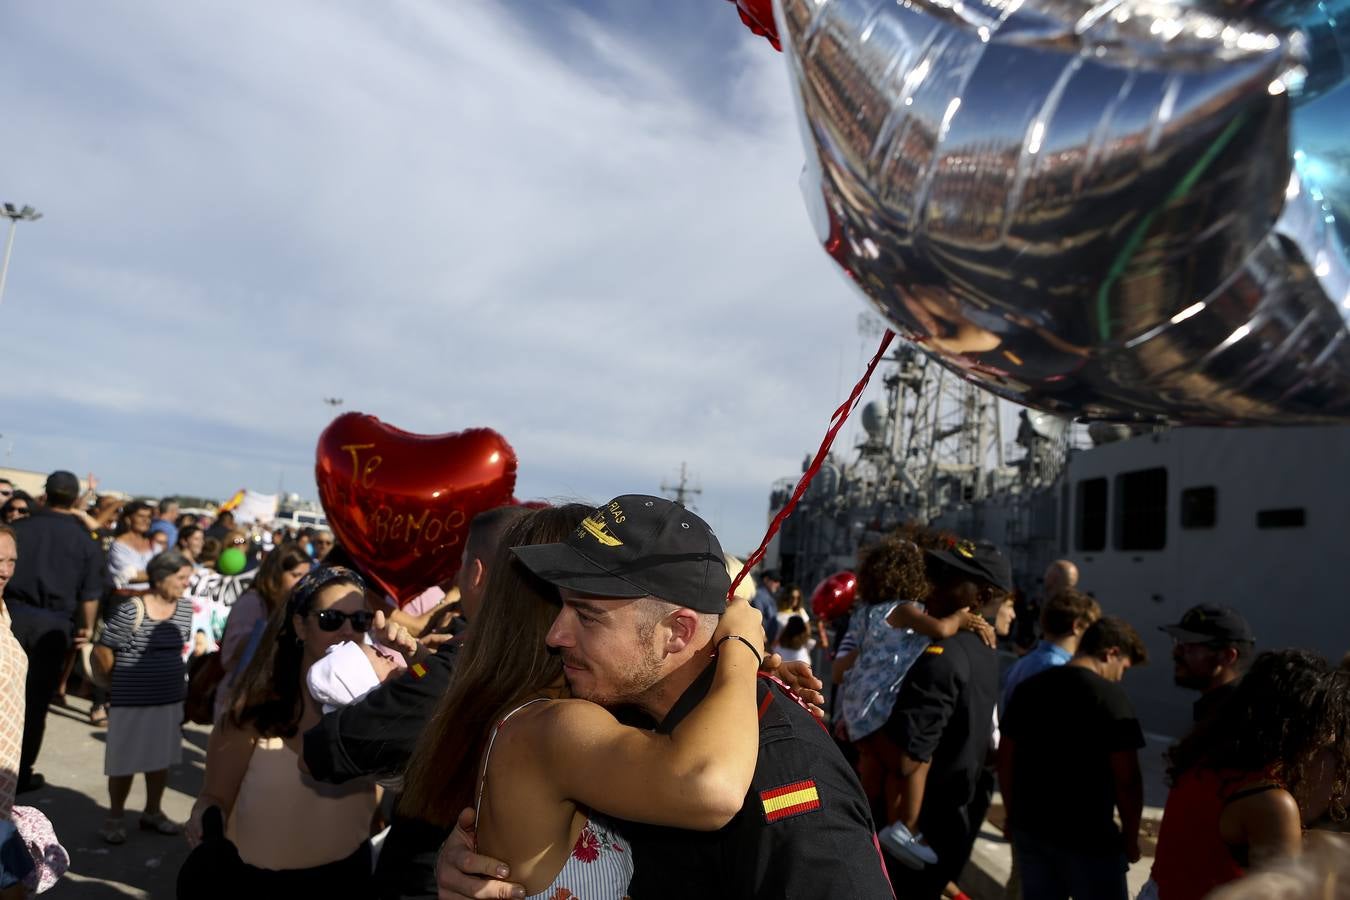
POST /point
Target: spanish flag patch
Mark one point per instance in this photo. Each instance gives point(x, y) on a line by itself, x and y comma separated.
point(934, 649)
point(790, 800)
point(418, 670)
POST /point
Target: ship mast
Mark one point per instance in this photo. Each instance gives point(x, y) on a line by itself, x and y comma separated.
point(682, 491)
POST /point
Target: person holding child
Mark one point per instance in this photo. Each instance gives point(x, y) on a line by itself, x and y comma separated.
point(940, 731)
point(892, 629)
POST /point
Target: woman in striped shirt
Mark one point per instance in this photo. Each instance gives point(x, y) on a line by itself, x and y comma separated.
point(147, 637)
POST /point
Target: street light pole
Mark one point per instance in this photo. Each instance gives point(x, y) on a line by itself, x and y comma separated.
point(15, 215)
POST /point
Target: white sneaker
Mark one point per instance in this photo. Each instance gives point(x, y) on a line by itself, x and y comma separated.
point(905, 847)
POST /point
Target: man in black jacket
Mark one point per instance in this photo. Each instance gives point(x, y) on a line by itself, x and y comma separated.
point(377, 735)
point(53, 599)
point(943, 720)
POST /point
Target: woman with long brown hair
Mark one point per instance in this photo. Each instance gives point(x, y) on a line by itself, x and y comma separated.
point(279, 572)
point(296, 837)
point(509, 698)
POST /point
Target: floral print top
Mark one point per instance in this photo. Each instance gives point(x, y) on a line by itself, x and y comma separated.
point(600, 867)
point(601, 863)
point(885, 654)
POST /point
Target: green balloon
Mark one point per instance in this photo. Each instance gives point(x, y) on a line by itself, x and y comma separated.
point(231, 562)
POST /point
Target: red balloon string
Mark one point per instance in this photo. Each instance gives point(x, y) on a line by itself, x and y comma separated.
point(838, 419)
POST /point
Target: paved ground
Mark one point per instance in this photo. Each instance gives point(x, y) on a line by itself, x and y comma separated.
point(76, 800)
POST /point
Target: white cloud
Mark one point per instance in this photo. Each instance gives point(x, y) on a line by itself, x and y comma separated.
point(418, 209)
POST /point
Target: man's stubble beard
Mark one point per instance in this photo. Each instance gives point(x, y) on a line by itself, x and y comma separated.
point(637, 682)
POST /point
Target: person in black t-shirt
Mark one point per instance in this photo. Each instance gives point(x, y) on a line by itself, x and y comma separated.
point(1068, 759)
point(53, 598)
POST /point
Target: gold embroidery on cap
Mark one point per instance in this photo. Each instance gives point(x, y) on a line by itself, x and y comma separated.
point(595, 526)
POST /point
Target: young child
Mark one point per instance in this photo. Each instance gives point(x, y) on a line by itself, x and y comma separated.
point(794, 641)
point(892, 629)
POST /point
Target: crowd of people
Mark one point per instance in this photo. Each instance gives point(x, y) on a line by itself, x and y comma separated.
point(582, 712)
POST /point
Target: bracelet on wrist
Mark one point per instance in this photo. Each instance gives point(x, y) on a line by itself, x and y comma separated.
point(717, 649)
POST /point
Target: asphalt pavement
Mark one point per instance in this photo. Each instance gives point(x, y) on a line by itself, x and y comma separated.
point(75, 799)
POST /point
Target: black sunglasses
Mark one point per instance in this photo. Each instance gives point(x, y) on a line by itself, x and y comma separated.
point(332, 619)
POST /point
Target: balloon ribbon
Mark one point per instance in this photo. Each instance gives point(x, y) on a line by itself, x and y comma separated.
point(838, 419)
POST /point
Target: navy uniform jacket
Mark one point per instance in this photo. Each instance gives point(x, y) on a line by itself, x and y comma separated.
point(376, 736)
point(805, 830)
point(945, 715)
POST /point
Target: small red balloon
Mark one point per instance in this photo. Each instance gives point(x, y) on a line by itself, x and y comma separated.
point(834, 596)
point(401, 503)
point(758, 17)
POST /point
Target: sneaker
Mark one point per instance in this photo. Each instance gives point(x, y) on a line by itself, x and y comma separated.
point(113, 832)
point(908, 848)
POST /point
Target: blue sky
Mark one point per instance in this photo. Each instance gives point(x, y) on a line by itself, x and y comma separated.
point(578, 224)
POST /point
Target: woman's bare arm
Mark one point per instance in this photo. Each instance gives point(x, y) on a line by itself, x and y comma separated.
point(697, 776)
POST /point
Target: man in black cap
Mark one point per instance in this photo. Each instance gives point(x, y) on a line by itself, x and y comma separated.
point(1211, 646)
point(943, 721)
point(643, 582)
point(53, 598)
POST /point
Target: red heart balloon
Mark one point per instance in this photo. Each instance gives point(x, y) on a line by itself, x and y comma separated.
point(834, 595)
point(401, 503)
point(757, 15)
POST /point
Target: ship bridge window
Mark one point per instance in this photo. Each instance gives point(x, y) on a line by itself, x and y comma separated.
point(1141, 508)
point(1199, 507)
point(1091, 528)
point(1294, 517)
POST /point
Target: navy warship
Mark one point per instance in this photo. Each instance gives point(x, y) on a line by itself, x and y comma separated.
point(1157, 519)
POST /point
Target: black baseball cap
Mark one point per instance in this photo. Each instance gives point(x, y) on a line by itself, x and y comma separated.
point(980, 559)
point(637, 546)
point(1207, 623)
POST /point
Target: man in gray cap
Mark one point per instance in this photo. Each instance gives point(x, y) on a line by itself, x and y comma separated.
point(53, 598)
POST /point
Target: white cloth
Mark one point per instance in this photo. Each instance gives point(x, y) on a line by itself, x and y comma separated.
point(342, 677)
point(124, 561)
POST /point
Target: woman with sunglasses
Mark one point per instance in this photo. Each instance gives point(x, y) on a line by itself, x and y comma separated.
point(18, 506)
point(279, 573)
point(296, 837)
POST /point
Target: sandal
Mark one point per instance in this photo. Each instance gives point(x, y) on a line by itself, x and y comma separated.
point(160, 824)
point(98, 715)
point(113, 832)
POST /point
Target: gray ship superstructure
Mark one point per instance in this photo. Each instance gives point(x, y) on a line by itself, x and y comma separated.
point(1156, 519)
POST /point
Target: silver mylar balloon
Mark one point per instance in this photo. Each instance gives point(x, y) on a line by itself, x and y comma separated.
point(1130, 210)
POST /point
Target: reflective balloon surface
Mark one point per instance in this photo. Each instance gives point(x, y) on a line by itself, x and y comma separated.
point(1130, 210)
point(400, 503)
point(834, 596)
